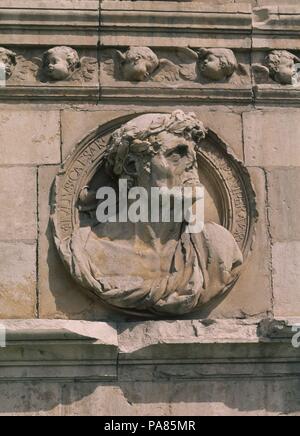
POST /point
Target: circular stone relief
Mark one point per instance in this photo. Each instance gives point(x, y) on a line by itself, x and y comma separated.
point(154, 267)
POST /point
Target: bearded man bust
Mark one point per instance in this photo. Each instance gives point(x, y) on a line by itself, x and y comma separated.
point(155, 267)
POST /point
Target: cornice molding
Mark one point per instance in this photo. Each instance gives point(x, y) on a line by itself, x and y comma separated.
point(183, 94)
point(189, 23)
point(85, 22)
point(276, 27)
point(56, 94)
point(49, 23)
point(162, 350)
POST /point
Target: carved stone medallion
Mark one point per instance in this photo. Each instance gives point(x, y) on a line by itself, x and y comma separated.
point(154, 267)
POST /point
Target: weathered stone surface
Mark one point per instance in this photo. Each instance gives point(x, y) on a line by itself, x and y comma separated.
point(284, 203)
point(76, 350)
point(286, 277)
point(257, 271)
point(59, 295)
point(30, 399)
point(35, 141)
point(227, 125)
point(170, 368)
point(77, 124)
point(137, 338)
point(100, 333)
point(126, 18)
point(18, 280)
point(18, 197)
point(69, 22)
point(196, 398)
point(272, 138)
point(275, 25)
point(201, 398)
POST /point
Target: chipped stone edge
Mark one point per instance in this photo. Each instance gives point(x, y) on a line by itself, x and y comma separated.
point(101, 333)
point(68, 351)
point(133, 336)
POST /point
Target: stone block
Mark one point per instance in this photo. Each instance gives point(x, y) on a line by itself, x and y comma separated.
point(18, 280)
point(272, 138)
point(276, 24)
point(286, 278)
point(18, 197)
point(194, 398)
point(252, 294)
point(68, 22)
point(196, 23)
point(30, 399)
point(29, 137)
point(76, 125)
point(284, 203)
point(228, 126)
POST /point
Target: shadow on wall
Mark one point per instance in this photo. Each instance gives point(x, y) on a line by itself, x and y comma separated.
point(215, 397)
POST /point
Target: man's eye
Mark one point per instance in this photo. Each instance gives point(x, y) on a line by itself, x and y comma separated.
point(175, 157)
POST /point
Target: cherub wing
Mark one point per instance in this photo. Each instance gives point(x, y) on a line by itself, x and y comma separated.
point(241, 75)
point(261, 74)
point(189, 71)
point(87, 70)
point(111, 66)
point(242, 70)
point(166, 72)
point(187, 60)
point(186, 55)
point(26, 70)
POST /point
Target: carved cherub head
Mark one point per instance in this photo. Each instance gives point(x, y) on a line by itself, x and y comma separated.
point(59, 63)
point(157, 150)
point(138, 63)
point(281, 65)
point(217, 64)
point(8, 60)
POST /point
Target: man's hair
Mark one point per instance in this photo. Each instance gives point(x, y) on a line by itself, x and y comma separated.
point(275, 58)
point(226, 56)
point(138, 137)
point(71, 56)
point(11, 55)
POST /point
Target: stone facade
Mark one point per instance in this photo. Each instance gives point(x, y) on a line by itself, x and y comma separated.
point(74, 74)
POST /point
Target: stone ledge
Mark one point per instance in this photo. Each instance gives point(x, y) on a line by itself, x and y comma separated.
point(179, 94)
point(197, 23)
point(57, 22)
point(276, 94)
point(59, 350)
point(155, 350)
point(115, 94)
point(60, 94)
point(277, 18)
